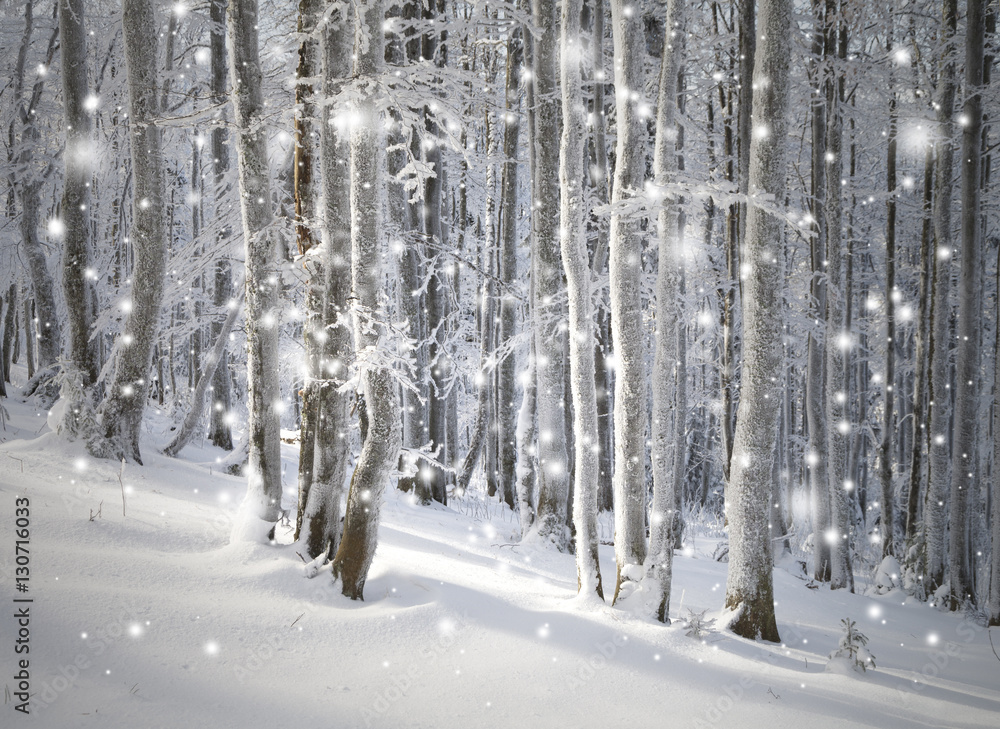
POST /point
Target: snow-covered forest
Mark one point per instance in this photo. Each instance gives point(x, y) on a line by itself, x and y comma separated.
point(366, 358)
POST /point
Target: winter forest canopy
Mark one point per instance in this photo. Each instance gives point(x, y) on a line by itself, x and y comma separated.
point(622, 269)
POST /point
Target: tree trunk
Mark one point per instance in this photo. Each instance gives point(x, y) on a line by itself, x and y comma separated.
point(838, 337)
point(625, 270)
point(29, 185)
point(527, 466)
point(749, 590)
point(121, 411)
point(666, 367)
point(576, 264)
point(546, 309)
point(435, 483)
point(888, 498)
point(320, 518)
point(815, 356)
point(968, 378)
point(935, 519)
point(921, 337)
point(263, 499)
point(484, 380)
point(993, 598)
point(602, 187)
point(679, 454)
point(9, 331)
point(381, 442)
point(306, 225)
point(29, 334)
point(219, 432)
point(506, 417)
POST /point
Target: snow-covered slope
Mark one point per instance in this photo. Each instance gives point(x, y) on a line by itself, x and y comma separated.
point(150, 619)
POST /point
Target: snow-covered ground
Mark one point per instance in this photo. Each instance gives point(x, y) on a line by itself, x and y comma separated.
point(150, 619)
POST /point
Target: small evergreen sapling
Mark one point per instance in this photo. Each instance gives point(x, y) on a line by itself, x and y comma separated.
point(852, 652)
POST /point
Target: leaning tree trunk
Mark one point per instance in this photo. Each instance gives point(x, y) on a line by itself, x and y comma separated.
point(663, 519)
point(749, 589)
point(484, 379)
point(968, 378)
point(263, 499)
point(197, 407)
point(935, 519)
point(546, 310)
point(121, 411)
point(625, 270)
point(382, 437)
point(573, 244)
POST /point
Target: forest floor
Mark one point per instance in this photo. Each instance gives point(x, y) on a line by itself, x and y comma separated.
point(149, 618)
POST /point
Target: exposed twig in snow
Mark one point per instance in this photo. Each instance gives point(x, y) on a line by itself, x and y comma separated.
point(121, 483)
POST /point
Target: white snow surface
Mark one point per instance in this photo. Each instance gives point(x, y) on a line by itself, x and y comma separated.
point(153, 619)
